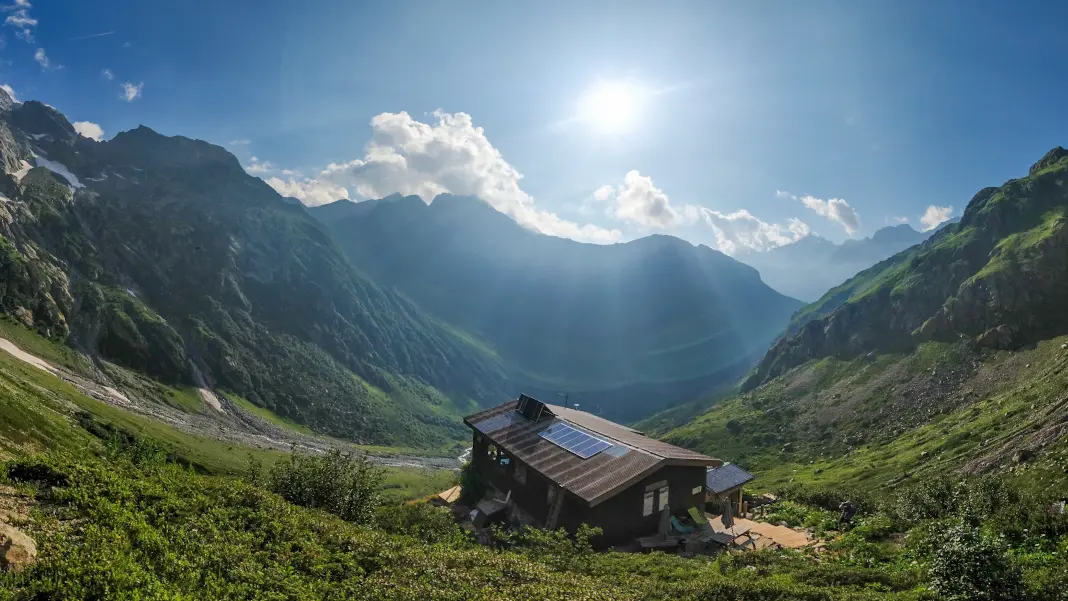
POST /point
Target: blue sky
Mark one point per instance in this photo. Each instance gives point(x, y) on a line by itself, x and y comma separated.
point(841, 116)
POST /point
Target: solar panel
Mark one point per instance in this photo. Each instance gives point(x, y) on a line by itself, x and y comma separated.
point(572, 439)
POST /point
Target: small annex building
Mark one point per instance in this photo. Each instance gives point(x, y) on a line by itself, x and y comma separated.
point(564, 467)
point(724, 487)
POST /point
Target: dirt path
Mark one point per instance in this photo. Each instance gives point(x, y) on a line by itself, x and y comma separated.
point(22, 355)
point(228, 422)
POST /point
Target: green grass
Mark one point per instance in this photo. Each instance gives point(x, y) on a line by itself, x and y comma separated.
point(1015, 393)
point(268, 414)
point(403, 483)
point(56, 353)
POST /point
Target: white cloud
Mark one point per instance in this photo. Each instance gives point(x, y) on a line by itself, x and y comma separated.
point(21, 20)
point(239, 142)
point(41, 58)
point(899, 220)
point(291, 173)
point(834, 209)
point(935, 216)
point(639, 201)
point(89, 130)
point(10, 92)
point(257, 166)
point(131, 92)
point(604, 193)
point(451, 155)
point(107, 74)
point(308, 191)
point(740, 230)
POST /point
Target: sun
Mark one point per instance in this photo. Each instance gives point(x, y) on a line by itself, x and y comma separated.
point(610, 106)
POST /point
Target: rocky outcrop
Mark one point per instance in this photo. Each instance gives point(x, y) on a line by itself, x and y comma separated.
point(1049, 159)
point(17, 550)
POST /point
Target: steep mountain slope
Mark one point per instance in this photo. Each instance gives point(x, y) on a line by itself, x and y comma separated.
point(161, 254)
point(813, 265)
point(622, 328)
point(996, 277)
point(952, 354)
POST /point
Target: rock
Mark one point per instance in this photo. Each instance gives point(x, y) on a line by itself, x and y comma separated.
point(1050, 158)
point(1000, 337)
point(788, 448)
point(17, 551)
point(1023, 456)
point(925, 454)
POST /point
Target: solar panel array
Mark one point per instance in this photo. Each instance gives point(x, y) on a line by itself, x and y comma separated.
point(570, 438)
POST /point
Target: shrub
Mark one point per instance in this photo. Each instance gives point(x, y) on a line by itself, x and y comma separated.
point(471, 485)
point(971, 565)
point(553, 547)
point(341, 483)
point(421, 521)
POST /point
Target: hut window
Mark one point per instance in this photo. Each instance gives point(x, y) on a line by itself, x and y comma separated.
point(663, 497)
point(520, 473)
point(647, 507)
point(696, 490)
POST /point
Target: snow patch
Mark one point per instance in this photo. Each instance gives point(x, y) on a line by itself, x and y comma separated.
point(59, 169)
point(103, 176)
point(39, 136)
point(132, 293)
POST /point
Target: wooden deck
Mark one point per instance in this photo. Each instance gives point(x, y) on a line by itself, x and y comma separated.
point(787, 538)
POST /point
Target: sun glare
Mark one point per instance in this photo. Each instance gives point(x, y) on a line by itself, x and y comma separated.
point(610, 106)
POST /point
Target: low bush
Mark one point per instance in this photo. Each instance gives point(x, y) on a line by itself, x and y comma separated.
point(343, 484)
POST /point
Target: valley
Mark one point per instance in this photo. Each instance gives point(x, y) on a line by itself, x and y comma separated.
point(178, 336)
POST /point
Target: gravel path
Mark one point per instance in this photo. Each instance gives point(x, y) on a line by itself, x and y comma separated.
point(228, 422)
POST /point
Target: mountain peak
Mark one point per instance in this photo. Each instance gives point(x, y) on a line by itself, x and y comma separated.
point(1048, 159)
point(146, 147)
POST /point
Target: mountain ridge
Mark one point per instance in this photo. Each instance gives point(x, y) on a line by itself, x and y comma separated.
point(159, 253)
point(808, 268)
point(657, 310)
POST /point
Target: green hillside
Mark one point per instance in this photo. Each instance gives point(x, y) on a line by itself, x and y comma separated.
point(995, 278)
point(164, 256)
point(949, 357)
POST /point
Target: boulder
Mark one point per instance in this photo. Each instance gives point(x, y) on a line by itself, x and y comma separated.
point(1000, 337)
point(17, 551)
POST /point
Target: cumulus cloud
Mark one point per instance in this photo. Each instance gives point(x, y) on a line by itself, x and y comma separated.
point(89, 130)
point(10, 92)
point(239, 142)
point(131, 92)
point(256, 166)
point(41, 58)
point(450, 155)
point(309, 191)
point(107, 74)
point(639, 201)
point(835, 209)
point(740, 230)
point(899, 220)
point(935, 216)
